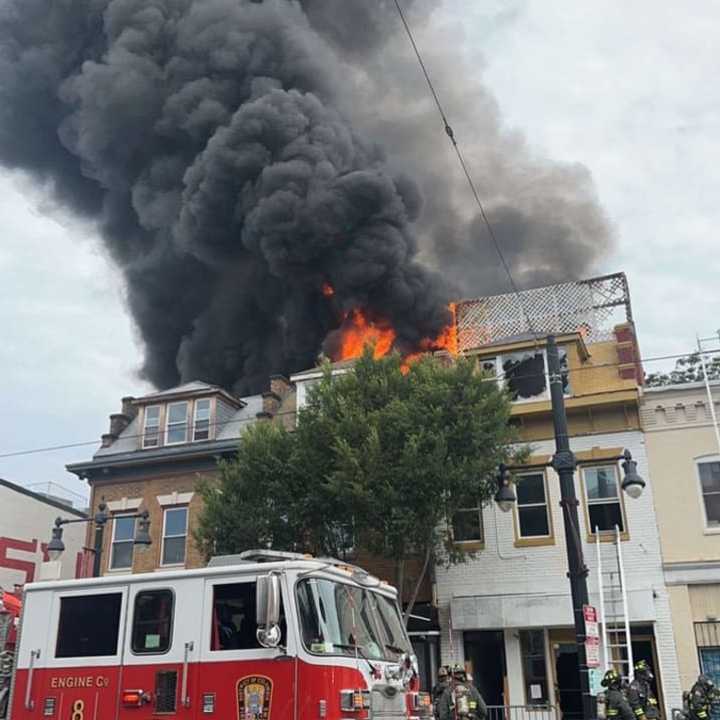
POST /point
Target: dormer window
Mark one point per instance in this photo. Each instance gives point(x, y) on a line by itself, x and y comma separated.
point(151, 430)
point(201, 424)
point(177, 421)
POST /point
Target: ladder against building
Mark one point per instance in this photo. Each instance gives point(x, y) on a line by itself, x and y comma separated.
point(613, 617)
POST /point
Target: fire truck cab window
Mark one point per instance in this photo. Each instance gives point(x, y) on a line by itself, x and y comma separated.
point(234, 625)
point(340, 619)
point(152, 622)
point(88, 625)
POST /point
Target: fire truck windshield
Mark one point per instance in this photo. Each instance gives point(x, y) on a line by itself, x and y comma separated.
point(341, 619)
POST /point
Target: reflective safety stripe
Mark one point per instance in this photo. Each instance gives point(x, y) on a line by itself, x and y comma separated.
point(652, 701)
point(613, 712)
point(639, 712)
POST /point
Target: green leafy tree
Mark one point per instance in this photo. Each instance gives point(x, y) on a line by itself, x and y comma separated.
point(382, 458)
point(687, 369)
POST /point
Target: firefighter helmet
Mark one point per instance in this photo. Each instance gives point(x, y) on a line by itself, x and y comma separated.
point(458, 671)
point(705, 682)
point(643, 669)
point(612, 679)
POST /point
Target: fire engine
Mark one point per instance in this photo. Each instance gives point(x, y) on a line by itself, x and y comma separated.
point(262, 635)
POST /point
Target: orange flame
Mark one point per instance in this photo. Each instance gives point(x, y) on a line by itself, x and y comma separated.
point(328, 290)
point(357, 331)
point(447, 339)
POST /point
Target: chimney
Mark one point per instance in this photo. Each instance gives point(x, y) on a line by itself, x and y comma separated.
point(107, 439)
point(280, 385)
point(120, 421)
point(128, 406)
point(271, 403)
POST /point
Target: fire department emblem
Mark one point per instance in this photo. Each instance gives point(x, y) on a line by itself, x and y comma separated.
point(254, 694)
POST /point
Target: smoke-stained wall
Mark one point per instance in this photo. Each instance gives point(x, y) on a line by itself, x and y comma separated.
point(238, 156)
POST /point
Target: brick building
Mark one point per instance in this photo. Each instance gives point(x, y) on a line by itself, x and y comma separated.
point(157, 449)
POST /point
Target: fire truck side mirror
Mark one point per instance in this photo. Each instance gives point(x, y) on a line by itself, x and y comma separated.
point(268, 610)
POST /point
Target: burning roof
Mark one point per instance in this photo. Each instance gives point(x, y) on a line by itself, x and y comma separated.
point(592, 307)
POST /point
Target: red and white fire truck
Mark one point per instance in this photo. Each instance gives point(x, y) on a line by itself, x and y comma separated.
point(258, 636)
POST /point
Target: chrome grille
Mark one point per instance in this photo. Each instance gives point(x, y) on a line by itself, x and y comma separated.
point(387, 702)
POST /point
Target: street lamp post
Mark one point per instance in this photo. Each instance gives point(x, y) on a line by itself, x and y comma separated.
point(56, 546)
point(565, 463)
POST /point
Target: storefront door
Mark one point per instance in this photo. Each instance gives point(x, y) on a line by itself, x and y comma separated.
point(568, 695)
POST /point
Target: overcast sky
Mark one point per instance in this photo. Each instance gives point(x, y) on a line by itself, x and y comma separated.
point(628, 89)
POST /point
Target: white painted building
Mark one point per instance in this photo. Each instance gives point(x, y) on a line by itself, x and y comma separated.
point(26, 522)
point(510, 589)
point(507, 612)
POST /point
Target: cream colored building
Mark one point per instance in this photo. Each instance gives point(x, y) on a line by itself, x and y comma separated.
point(684, 462)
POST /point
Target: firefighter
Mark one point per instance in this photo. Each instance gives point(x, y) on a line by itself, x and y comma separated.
point(617, 705)
point(702, 695)
point(640, 694)
point(439, 688)
point(461, 699)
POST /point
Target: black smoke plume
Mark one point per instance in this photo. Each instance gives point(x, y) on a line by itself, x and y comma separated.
point(210, 142)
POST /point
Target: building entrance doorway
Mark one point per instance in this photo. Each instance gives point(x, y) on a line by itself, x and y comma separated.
point(568, 694)
point(485, 656)
point(643, 647)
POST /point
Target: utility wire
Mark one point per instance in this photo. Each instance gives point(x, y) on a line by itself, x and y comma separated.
point(243, 421)
point(461, 159)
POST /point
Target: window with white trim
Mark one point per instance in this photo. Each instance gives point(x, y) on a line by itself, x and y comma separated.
point(151, 429)
point(525, 373)
point(467, 525)
point(177, 421)
point(709, 471)
point(602, 494)
point(532, 505)
point(201, 421)
point(123, 539)
point(174, 536)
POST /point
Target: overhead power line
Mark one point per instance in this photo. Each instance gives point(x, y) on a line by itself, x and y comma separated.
point(244, 421)
point(466, 171)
